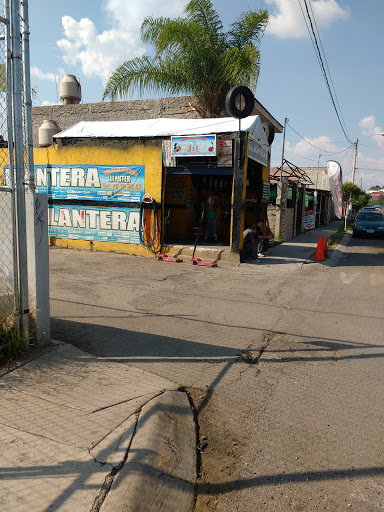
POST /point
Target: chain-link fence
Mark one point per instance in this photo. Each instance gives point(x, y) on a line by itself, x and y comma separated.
point(8, 273)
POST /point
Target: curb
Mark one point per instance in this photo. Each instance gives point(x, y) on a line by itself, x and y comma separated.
point(159, 474)
point(336, 255)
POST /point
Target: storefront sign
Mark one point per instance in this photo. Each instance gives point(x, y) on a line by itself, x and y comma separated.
point(168, 159)
point(97, 182)
point(266, 190)
point(257, 151)
point(94, 223)
point(194, 145)
point(224, 154)
point(309, 219)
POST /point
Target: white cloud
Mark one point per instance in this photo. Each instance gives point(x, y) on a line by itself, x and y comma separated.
point(287, 21)
point(369, 127)
point(41, 75)
point(98, 54)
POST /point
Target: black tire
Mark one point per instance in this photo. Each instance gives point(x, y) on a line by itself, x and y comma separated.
point(230, 102)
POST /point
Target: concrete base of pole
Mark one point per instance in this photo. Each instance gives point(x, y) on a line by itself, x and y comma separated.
point(36, 206)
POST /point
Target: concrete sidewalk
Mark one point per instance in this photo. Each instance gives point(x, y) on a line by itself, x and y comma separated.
point(293, 253)
point(82, 434)
point(298, 251)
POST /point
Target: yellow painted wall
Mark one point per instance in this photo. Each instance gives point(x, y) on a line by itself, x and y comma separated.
point(147, 153)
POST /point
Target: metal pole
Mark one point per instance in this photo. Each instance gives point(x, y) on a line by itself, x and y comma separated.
point(19, 166)
point(279, 198)
point(27, 95)
point(282, 153)
point(354, 161)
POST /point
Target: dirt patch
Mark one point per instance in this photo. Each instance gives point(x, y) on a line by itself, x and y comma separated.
point(219, 450)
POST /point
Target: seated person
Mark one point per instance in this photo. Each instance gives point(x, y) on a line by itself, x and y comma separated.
point(255, 242)
point(251, 242)
point(264, 234)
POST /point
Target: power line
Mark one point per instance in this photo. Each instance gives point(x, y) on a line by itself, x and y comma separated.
point(367, 169)
point(315, 44)
point(329, 72)
point(320, 149)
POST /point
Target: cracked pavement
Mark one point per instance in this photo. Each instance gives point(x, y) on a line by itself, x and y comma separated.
point(72, 423)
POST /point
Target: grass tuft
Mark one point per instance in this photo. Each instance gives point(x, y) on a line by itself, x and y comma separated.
point(13, 343)
point(334, 240)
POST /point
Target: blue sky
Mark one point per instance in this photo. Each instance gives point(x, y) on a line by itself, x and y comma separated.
point(89, 38)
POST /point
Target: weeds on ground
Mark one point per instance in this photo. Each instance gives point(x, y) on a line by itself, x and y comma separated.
point(276, 241)
point(13, 343)
point(336, 238)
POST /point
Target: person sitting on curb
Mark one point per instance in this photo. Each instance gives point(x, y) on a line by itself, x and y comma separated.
point(264, 235)
point(251, 243)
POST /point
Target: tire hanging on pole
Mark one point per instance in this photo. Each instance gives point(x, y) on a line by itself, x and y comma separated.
point(233, 95)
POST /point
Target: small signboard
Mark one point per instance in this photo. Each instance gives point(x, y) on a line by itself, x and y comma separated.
point(309, 219)
point(224, 154)
point(257, 151)
point(266, 190)
point(193, 145)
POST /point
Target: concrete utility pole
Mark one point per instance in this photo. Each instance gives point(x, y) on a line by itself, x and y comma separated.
point(354, 161)
point(279, 195)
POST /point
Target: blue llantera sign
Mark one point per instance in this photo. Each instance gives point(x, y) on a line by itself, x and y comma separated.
point(94, 223)
point(97, 182)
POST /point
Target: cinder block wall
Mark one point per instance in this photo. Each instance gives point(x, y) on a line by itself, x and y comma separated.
point(68, 115)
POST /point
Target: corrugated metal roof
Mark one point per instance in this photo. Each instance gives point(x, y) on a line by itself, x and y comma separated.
point(163, 127)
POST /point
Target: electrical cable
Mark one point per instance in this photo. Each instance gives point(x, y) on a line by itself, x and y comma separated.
point(329, 72)
point(321, 62)
point(320, 149)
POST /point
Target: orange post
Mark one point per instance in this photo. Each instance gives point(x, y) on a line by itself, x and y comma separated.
point(319, 256)
point(325, 246)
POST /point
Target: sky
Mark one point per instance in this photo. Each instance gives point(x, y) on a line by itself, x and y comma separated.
point(90, 38)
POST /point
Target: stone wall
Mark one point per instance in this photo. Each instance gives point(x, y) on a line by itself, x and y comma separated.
point(271, 212)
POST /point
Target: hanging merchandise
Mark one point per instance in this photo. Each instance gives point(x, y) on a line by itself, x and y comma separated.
point(149, 223)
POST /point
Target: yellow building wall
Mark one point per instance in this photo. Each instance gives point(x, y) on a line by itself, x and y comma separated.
point(147, 153)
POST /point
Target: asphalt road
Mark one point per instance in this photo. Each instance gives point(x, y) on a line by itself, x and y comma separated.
point(285, 367)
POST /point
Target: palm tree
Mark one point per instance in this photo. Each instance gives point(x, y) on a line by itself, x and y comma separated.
point(193, 55)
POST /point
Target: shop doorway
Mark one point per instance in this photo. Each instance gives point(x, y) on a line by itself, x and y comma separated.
point(185, 198)
point(255, 207)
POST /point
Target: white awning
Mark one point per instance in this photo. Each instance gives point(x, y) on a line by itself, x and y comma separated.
point(162, 127)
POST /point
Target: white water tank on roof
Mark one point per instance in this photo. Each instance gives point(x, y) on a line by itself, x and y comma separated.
point(46, 132)
point(70, 90)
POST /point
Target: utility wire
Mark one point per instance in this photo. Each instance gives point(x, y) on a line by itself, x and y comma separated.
point(321, 62)
point(320, 149)
point(329, 71)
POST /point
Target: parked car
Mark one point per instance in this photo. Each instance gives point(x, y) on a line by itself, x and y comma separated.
point(369, 223)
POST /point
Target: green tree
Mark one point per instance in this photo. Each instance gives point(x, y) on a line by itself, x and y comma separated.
point(193, 55)
point(353, 194)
